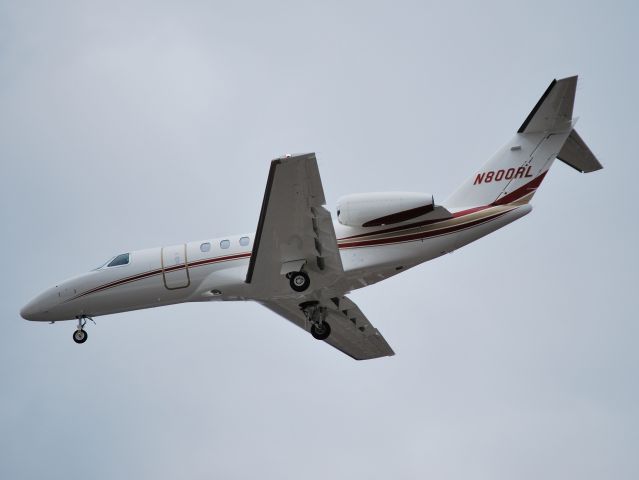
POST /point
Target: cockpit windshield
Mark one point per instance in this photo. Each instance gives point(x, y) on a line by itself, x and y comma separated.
point(122, 259)
point(117, 261)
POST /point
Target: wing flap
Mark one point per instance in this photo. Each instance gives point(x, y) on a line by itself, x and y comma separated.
point(328, 257)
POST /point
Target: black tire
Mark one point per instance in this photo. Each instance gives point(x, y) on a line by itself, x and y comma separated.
point(80, 336)
point(299, 281)
point(321, 332)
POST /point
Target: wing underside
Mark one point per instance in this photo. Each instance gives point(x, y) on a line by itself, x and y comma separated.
point(295, 232)
point(351, 332)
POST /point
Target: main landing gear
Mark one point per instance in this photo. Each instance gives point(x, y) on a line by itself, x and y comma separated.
point(316, 314)
point(299, 281)
point(80, 335)
point(320, 331)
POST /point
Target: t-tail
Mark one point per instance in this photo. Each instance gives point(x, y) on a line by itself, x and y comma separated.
point(515, 172)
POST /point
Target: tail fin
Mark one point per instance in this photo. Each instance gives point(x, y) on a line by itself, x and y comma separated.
point(513, 174)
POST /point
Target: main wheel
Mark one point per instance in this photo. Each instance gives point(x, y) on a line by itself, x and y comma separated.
point(321, 331)
point(80, 336)
point(299, 281)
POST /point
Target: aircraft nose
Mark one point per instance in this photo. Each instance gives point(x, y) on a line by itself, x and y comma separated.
point(38, 309)
point(31, 311)
point(50, 306)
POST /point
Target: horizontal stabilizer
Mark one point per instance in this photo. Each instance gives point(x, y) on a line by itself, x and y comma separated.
point(576, 153)
point(554, 109)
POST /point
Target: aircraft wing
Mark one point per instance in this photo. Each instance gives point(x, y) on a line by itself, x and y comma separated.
point(351, 332)
point(294, 229)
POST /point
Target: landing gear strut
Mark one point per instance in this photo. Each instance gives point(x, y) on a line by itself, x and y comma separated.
point(80, 335)
point(316, 314)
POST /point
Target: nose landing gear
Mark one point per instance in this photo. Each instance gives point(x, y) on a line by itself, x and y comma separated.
point(80, 335)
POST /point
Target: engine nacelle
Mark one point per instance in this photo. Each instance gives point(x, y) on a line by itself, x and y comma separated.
point(383, 208)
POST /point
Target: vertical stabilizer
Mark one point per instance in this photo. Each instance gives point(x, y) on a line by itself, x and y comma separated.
point(513, 174)
point(554, 109)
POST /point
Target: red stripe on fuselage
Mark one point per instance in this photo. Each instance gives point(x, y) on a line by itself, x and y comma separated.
point(423, 223)
point(521, 191)
point(420, 235)
point(152, 273)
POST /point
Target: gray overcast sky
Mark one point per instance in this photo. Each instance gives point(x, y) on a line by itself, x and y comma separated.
point(126, 125)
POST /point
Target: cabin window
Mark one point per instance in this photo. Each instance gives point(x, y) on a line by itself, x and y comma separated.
point(205, 247)
point(122, 259)
point(225, 244)
point(244, 241)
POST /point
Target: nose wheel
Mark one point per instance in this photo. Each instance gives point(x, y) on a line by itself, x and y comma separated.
point(80, 335)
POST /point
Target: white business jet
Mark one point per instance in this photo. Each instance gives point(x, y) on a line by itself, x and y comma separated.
point(300, 264)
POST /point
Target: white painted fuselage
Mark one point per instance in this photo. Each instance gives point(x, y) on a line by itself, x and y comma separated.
point(185, 273)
